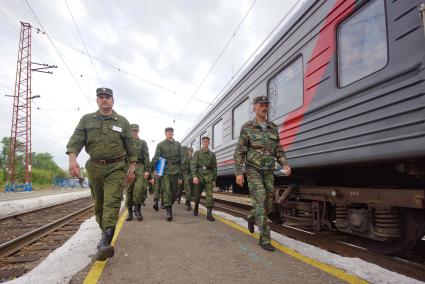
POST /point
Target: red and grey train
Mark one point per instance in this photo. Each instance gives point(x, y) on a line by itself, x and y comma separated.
point(346, 79)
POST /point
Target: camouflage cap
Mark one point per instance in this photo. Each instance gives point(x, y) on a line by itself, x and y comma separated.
point(261, 99)
point(134, 126)
point(105, 91)
point(169, 129)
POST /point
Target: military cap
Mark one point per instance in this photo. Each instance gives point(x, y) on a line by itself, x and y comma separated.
point(169, 129)
point(261, 99)
point(106, 91)
point(205, 137)
point(134, 126)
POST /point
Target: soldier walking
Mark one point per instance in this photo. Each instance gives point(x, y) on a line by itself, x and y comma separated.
point(259, 147)
point(107, 139)
point(136, 190)
point(187, 178)
point(172, 152)
point(204, 172)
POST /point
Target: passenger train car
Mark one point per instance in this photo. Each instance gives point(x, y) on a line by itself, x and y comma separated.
point(346, 80)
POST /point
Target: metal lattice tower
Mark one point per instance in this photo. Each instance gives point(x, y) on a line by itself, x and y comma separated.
point(20, 157)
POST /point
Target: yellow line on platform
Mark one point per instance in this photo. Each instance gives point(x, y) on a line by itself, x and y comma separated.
point(97, 268)
point(338, 273)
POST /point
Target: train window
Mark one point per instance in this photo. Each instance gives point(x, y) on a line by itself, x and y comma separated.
point(240, 116)
point(218, 134)
point(285, 90)
point(362, 43)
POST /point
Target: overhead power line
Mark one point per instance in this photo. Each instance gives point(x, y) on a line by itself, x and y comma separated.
point(218, 58)
point(59, 54)
point(82, 40)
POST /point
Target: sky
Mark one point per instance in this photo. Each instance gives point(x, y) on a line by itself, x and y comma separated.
point(154, 55)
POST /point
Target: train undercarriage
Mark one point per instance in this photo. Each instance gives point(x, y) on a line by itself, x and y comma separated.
point(384, 217)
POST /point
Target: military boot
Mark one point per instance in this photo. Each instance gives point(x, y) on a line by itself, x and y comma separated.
point(251, 223)
point(138, 213)
point(105, 249)
point(155, 205)
point(195, 210)
point(188, 205)
point(130, 214)
point(169, 213)
point(267, 246)
point(209, 214)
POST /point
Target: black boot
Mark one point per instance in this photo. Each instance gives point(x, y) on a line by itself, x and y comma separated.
point(195, 210)
point(155, 205)
point(169, 213)
point(209, 214)
point(251, 222)
point(138, 213)
point(188, 205)
point(267, 246)
point(105, 250)
point(130, 214)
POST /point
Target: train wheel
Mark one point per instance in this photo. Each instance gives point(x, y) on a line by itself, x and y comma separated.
point(413, 229)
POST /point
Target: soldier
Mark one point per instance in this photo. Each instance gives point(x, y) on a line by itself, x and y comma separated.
point(204, 172)
point(137, 188)
point(156, 188)
point(187, 178)
point(172, 152)
point(259, 147)
point(107, 139)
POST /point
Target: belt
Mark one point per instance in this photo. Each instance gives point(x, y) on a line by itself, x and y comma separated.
point(140, 161)
point(107, 162)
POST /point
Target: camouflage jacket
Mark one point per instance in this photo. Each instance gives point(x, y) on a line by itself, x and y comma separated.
point(172, 152)
point(204, 165)
point(142, 152)
point(259, 148)
point(186, 165)
point(104, 137)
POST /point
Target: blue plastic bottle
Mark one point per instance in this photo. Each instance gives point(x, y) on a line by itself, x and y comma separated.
point(160, 166)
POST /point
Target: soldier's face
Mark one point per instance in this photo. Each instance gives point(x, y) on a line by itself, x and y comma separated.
point(261, 109)
point(205, 143)
point(135, 133)
point(169, 134)
point(105, 102)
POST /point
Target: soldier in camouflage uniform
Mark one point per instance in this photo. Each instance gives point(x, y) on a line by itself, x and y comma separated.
point(136, 190)
point(187, 178)
point(204, 172)
point(107, 139)
point(172, 152)
point(259, 147)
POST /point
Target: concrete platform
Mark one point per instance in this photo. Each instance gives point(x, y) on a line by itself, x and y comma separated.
point(5, 196)
point(193, 250)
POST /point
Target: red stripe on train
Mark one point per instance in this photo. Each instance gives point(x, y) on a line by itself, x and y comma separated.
point(321, 55)
point(226, 162)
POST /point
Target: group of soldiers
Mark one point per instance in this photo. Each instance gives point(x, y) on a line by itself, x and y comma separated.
point(120, 159)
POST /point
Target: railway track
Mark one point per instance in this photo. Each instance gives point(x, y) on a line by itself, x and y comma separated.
point(27, 238)
point(339, 243)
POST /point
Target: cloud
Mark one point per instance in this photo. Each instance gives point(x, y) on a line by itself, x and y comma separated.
point(153, 54)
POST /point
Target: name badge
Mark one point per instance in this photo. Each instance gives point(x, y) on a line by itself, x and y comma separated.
point(116, 128)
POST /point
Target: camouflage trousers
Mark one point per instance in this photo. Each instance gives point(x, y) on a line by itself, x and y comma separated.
point(156, 187)
point(201, 186)
point(169, 186)
point(107, 184)
point(188, 187)
point(137, 191)
point(260, 186)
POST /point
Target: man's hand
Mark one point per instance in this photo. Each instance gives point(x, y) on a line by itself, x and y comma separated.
point(240, 180)
point(195, 180)
point(131, 176)
point(152, 181)
point(286, 170)
point(146, 175)
point(179, 181)
point(74, 167)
